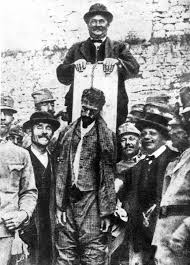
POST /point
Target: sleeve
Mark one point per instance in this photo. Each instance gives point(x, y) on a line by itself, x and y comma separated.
point(65, 71)
point(128, 66)
point(28, 192)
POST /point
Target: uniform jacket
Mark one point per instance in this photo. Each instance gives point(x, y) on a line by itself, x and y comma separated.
point(176, 191)
point(35, 223)
point(127, 68)
point(17, 183)
point(106, 175)
point(136, 206)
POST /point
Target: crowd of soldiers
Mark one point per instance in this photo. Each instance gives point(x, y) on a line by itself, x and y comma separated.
point(78, 193)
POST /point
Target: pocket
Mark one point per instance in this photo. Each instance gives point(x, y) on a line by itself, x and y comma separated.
point(15, 173)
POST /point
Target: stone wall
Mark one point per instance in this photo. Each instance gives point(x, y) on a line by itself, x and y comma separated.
point(157, 33)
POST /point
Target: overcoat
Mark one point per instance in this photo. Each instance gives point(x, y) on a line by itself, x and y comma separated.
point(127, 67)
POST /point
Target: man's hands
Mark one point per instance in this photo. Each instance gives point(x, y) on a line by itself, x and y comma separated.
point(137, 259)
point(105, 224)
point(60, 217)
point(13, 220)
point(80, 65)
point(108, 65)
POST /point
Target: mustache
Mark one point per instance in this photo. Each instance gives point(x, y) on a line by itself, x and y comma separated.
point(129, 146)
point(101, 28)
point(44, 135)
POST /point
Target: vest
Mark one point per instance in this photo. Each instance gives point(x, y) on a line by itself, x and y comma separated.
point(88, 164)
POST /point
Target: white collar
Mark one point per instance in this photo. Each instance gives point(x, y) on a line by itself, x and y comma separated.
point(43, 158)
point(159, 151)
point(100, 39)
point(86, 130)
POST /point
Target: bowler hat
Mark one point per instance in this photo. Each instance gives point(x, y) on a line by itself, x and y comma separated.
point(155, 121)
point(185, 98)
point(98, 9)
point(41, 116)
point(7, 102)
point(42, 95)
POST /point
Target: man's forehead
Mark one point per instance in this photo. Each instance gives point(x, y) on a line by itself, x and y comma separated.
point(129, 134)
point(149, 129)
point(42, 124)
point(89, 106)
point(97, 17)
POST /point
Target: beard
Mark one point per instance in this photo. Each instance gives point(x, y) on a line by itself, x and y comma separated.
point(86, 121)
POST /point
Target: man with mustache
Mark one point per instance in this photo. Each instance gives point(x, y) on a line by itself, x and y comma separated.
point(146, 182)
point(85, 194)
point(129, 139)
point(98, 47)
point(18, 193)
point(39, 235)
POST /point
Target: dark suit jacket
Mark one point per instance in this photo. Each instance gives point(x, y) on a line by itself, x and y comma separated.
point(138, 202)
point(127, 68)
point(34, 226)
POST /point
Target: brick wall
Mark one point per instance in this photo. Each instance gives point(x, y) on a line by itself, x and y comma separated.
point(156, 31)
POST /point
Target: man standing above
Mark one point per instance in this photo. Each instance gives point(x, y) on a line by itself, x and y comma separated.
point(98, 47)
point(18, 193)
point(85, 194)
point(147, 178)
point(39, 235)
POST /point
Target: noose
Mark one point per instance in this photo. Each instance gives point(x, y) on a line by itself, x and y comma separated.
point(92, 74)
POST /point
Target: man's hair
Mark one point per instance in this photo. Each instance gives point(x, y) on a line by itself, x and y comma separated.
point(93, 96)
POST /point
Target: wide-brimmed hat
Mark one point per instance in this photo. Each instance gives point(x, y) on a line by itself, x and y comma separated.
point(42, 95)
point(137, 110)
point(185, 98)
point(41, 116)
point(98, 9)
point(7, 102)
point(128, 128)
point(155, 121)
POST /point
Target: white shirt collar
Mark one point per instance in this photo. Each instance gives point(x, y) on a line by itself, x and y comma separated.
point(159, 151)
point(43, 158)
point(86, 130)
point(100, 39)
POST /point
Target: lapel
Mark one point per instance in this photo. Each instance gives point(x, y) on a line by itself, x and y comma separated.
point(109, 48)
point(85, 49)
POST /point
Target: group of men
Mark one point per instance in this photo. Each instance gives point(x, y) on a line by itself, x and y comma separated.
point(64, 188)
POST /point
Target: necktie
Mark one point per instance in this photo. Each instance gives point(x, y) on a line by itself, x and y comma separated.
point(96, 41)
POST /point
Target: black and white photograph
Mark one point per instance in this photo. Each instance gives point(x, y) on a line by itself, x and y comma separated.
point(95, 132)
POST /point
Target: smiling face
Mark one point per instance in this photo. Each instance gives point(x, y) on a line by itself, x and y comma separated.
point(130, 145)
point(98, 27)
point(41, 134)
point(152, 139)
point(6, 117)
